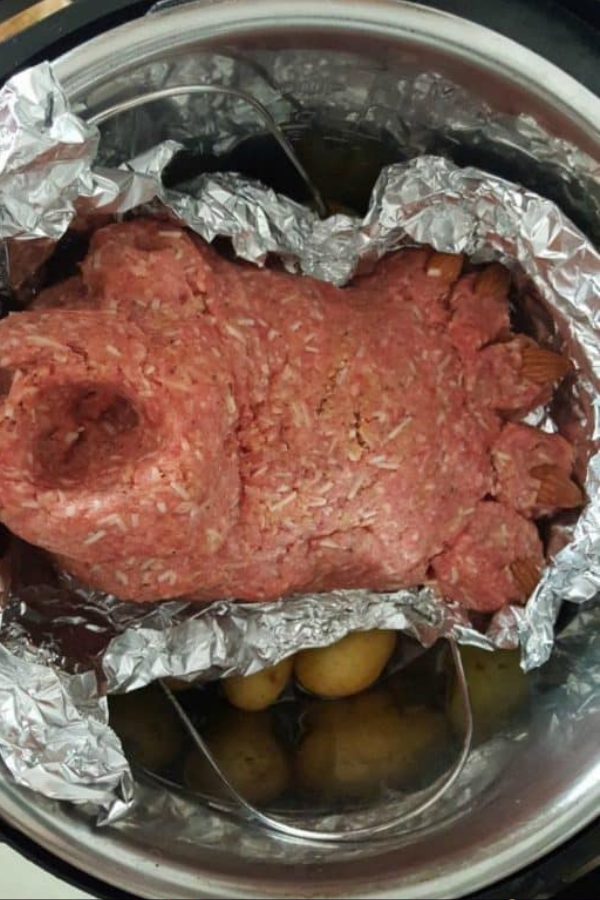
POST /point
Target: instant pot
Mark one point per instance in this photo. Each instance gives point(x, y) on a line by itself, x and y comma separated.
point(534, 834)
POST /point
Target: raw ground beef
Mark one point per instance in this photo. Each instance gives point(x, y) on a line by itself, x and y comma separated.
point(477, 568)
point(533, 471)
point(176, 424)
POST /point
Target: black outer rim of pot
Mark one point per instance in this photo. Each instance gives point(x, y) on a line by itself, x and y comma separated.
point(564, 31)
point(62, 30)
point(565, 34)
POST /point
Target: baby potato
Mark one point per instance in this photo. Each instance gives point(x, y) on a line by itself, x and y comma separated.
point(497, 686)
point(148, 727)
point(256, 692)
point(353, 746)
point(347, 667)
point(249, 754)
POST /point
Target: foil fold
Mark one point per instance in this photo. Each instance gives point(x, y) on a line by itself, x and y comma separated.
point(50, 176)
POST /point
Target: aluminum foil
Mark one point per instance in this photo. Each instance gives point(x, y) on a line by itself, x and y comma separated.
point(64, 647)
point(569, 683)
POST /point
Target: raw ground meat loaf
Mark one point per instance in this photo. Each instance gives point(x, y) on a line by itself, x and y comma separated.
point(176, 424)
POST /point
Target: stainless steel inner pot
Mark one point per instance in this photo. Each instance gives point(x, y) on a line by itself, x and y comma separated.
point(534, 788)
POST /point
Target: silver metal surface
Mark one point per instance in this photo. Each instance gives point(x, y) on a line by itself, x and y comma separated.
point(191, 89)
point(503, 67)
point(545, 790)
point(415, 202)
point(549, 786)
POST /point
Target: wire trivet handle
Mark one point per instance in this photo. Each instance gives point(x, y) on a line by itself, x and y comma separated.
point(272, 126)
point(438, 790)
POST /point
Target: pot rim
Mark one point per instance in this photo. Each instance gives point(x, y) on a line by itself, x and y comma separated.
point(106, 855)
point(79, 68)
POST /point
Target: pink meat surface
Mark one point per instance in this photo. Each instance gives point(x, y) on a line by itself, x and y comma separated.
point(523, 459)
point(494, 380)
point(176, 424)
point(476, 569)
point(478, 302)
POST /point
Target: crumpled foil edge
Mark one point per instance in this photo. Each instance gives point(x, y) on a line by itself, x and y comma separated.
point(428, 200)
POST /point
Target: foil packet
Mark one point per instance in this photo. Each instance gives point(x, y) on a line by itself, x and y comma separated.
point(64, 647)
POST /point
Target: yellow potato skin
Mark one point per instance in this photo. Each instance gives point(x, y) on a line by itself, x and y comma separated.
point(148, 727)
point(249, 754)
point(497, 687)
point(347, 667)
point(253, 693)
point(353, 746)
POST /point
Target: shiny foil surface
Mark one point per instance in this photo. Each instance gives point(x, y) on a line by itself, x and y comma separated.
point(64, 647)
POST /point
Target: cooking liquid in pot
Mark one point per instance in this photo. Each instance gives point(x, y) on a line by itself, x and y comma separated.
point(302, 752)
point(309, 754)
point(344, 166)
